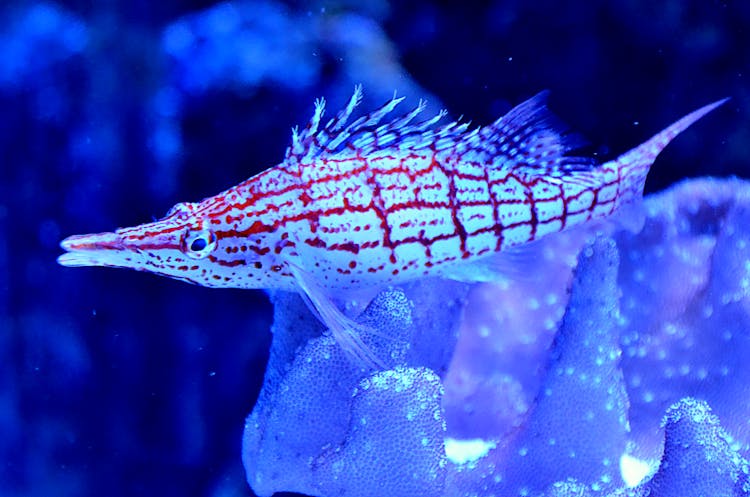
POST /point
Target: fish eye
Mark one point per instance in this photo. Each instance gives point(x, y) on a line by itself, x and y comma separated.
point(198, 244)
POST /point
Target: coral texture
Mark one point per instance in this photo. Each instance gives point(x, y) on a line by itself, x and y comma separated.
point(648, 318)
point(320, 419)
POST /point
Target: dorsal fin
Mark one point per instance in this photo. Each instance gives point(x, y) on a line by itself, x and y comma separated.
point(529, 138)
point(367, 135)
point(533, 141)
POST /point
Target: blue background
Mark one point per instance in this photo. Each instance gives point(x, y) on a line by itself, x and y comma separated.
point(120, 383)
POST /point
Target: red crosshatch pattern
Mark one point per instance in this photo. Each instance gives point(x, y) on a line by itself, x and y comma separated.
point(370, 202)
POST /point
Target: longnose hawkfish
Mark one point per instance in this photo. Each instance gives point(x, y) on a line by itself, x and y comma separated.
point(374, 202)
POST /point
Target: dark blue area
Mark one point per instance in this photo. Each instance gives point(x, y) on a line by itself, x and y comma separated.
point(120, 383)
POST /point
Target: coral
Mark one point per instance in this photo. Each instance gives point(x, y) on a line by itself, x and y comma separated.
point(685, 281)
point(579, 418)
point(699, 457)
point(647, 317)
point(321, 419)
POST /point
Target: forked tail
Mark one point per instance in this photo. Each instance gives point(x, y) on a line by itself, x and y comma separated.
point(634, 165)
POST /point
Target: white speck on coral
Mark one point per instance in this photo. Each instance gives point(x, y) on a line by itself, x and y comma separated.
point(700, 414)
point(635, 380)
point(469, 450)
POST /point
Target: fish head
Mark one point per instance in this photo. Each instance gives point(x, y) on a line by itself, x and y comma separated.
point(191, 243)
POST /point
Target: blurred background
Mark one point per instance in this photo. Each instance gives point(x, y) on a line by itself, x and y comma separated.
point(116, 383)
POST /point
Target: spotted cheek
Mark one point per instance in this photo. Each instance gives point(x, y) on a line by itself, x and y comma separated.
point(269, 273)
point(238, 271)
point(171, 263)
point(221, 269)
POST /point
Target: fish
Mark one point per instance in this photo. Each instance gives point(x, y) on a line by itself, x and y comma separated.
point(375, 201)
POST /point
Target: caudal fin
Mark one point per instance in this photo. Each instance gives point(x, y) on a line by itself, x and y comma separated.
point(635, 164)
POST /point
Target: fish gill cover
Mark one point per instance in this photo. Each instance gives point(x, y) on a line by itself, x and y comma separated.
point(624, 376)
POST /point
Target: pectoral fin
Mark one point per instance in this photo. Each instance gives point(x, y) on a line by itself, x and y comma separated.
point(347, 332)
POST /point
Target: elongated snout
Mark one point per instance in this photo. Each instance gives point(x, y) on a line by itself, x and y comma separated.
point(95, 249)
point(142, 248)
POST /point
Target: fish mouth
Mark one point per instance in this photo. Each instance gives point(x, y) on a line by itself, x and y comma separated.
point(96, 249)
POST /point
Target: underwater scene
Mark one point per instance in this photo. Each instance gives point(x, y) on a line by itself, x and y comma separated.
point(582, 342)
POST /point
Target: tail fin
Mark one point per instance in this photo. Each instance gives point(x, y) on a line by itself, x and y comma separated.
point(635, 164)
